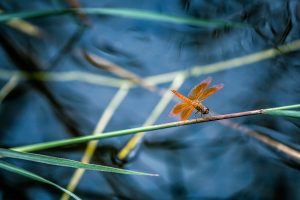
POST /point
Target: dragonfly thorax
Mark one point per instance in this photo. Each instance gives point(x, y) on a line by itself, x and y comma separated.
point(201, 108)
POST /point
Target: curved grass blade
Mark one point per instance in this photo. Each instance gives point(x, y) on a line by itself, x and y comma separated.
point(28, 174)
point(66, 162)
point(146, 15)
point(121, 12)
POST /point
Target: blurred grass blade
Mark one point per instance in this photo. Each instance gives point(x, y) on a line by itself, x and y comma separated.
point(24, 26)
point(65, 162)
point(117, 70)
point(120, 12)
point(32, 14)
point(23, 172)
point(195, 71)
point(62, 77)
point(8, 87)
point(146, 15)
point(284, 113)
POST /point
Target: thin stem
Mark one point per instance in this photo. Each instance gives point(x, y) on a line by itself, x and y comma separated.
point(58, 143)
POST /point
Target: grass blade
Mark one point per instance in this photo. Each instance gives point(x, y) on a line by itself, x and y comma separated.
point(28, 174)
point(66, 162)
point(283, 113)
point(289, 107)
point(146, 15)
point(121, 12)
point(87, 138)
point(82, 139)
point(32, 14)
point(195, 71)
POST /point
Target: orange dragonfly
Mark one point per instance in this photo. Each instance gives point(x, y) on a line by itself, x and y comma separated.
point(194, 100)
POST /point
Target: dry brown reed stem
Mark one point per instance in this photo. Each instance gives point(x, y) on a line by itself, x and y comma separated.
point(81, 15)
point(117, 70)
point(293, 153)
point(220, 117)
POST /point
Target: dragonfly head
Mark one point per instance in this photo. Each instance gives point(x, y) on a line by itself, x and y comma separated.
point(205, 110)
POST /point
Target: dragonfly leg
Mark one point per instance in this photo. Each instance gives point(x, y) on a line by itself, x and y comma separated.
point(196, 113)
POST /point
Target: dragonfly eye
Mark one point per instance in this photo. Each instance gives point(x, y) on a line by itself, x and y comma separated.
point(205, 111)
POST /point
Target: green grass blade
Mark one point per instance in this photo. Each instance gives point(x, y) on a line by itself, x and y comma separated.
point(283, 113)
point(28, 174)
point(32, 14)
point(66, 162)
point(289, 107)
point(146, 15)
point(120, 12)
point(82, 139)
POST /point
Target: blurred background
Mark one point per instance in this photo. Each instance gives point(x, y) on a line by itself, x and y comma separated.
point(53, 87)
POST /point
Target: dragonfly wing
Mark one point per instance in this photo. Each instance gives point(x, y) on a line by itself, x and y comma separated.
point(182, 97)
point(197, 91)
point(178, 108)
point(186, 113)
point(210, 91)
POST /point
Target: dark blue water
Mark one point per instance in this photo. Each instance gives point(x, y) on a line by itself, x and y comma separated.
point(205, 161)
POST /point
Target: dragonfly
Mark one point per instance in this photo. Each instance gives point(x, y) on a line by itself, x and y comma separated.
point(194, 100)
